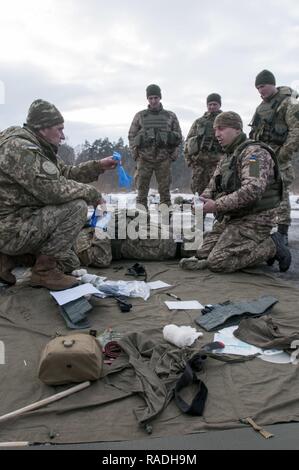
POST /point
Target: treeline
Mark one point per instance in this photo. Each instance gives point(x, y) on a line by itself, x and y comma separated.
point(181, 174)
point(101, 148)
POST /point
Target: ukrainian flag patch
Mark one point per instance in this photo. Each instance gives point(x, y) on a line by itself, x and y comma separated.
point(254, 166)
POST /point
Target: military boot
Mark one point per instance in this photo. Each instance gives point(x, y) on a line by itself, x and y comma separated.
point(283, 230)
point(193, 263)
point(283, 255)
point(25, 260)
point(45, 273)
point(7, 263)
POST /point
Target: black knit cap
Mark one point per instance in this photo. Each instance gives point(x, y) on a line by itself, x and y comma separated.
point(265, 77)
point(214, 97)
point(153, 90)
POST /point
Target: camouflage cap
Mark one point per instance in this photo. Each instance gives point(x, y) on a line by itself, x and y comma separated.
point(153, 90)
point(43, 114)
point(229, 119)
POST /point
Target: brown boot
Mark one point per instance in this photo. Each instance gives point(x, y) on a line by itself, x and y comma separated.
point(45, 273)
point(25, 260)
point(7, 263)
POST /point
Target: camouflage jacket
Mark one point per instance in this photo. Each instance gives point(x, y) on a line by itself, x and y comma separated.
point(154, 150)
point(31, 176)
point(255, 170)
point(287, 115)
point(201, 141)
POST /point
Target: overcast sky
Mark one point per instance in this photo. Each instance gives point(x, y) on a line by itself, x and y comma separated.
point(94, 58)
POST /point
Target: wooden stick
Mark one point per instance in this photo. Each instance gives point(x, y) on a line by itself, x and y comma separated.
point(44, 402)
point(15, 444)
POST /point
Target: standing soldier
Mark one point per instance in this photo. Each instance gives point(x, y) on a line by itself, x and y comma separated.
point(202, 150)
point(276, 122)
point(154, 138)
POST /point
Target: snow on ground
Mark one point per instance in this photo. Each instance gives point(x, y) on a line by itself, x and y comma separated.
point(129, 200)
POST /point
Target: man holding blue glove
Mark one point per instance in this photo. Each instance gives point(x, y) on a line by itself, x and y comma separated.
point(43, 202)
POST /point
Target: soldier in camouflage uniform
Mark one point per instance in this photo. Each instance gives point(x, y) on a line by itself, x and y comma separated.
point(202, 150)
point(154, 139)
point(43, 202)
point(242, 194)
point(142, 241)
point(276, 122)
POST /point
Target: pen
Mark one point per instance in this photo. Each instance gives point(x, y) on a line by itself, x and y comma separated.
point(173, 295)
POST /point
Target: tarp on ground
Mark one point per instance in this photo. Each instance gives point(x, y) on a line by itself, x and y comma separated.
point(110, 408)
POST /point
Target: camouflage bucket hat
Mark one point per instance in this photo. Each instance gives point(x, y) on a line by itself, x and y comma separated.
point(43, 114)
point(229, 119)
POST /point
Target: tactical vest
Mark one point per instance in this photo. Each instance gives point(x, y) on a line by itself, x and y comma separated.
point(206, 135)
point(268, 124)
point(229, 182)
point(155, 131)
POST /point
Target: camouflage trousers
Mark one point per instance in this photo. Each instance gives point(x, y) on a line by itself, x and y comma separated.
point(202, 171)
point(143, 175)
point(237, 244)
point(93, 248)
point(50, 231)
point(283, 214)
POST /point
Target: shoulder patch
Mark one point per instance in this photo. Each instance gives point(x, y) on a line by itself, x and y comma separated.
point(49, 168)
point(30, 146)
point(254, 166)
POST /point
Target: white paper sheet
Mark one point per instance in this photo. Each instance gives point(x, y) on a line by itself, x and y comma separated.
point(64, 296)
point(157, 285)
point(184, 305)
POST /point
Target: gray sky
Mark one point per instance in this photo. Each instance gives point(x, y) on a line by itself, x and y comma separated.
point(93, 59)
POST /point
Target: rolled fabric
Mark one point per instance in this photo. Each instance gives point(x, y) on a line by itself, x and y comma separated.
point(112, 350)
point(180, 336)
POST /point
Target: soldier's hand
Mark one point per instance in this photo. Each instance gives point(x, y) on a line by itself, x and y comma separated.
point(99, 202)
point(209, 206)
point(107, 163)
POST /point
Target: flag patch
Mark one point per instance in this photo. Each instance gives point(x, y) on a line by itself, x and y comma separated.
point(254, 166)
